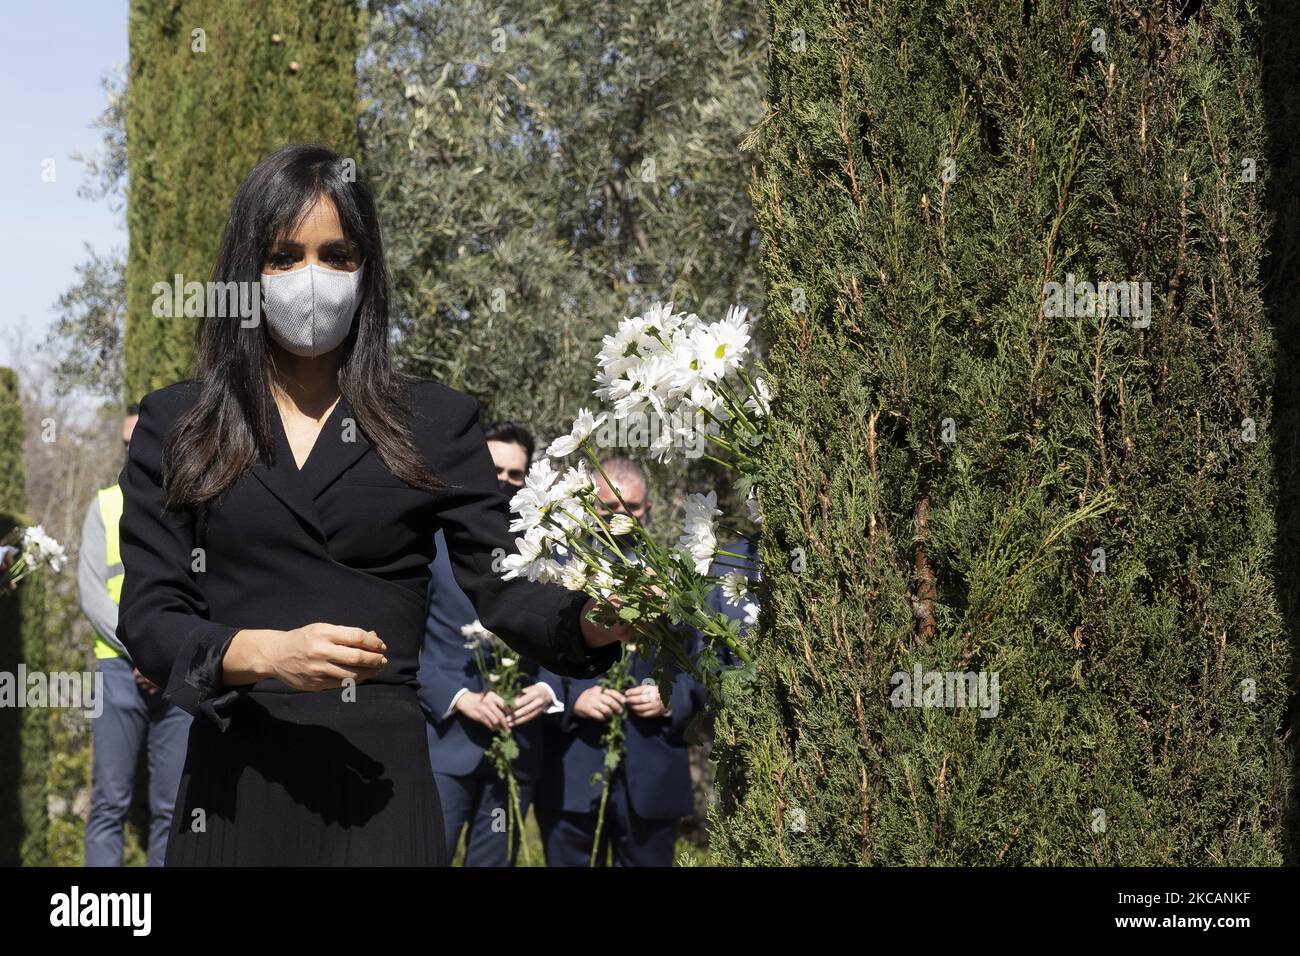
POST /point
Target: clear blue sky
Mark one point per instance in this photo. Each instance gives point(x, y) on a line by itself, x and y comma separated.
point(52, 56)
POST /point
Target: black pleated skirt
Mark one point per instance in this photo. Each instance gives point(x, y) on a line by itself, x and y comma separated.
point(309, 779)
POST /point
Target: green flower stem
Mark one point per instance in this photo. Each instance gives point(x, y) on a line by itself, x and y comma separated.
point(21, 568)
point(618, 678)
point(731, 554)
point(507, 687)
point(736, 403)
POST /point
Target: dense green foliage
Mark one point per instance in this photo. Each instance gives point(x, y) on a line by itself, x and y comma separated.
point(24, 745)
point(12, 475)
point(947, 458)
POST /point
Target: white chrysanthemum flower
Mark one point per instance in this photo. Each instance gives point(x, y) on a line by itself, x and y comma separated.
point(39, 548)
point(638, 340)
point(689, 431)
point(686, 366)
point(660, 326)
point(559, 512)
point(583, 426)
point(574, 576)
point(621, 390)
point(721, 347)
point(704, 350)
point(536, 499)
point(529, 515)
point(541, 475)
point(576, 483)
point(620, 351)
point(701, 399)
point(701, 507)
point(494, 678)
point(532, 559)
point(537, 483)
point(509, 661)
point(621, 524)
point(550, 573)
point(735, 587)
point(738, 317)
point(476, 630)
point(647, 384)
point(567, 517)
point(751, 614)
point(697, 536)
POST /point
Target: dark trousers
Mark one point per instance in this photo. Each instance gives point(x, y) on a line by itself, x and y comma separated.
point(635, 841)
point(131, 717)
point(479, 800)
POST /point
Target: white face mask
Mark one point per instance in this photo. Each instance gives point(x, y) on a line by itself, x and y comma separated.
point(309, 311)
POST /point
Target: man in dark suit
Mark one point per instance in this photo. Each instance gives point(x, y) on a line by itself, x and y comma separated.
point(463, 714)
point(651, 788)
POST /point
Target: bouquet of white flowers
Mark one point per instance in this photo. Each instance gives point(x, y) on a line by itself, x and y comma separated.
point(690, 380)
point(36, 549)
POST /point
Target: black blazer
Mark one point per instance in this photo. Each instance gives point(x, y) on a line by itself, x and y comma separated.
point(343, 541)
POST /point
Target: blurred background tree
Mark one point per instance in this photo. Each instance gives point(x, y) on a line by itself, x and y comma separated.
point(84, 347)
point(544, 168)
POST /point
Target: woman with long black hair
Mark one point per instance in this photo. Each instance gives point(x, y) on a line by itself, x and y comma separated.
point(278, 525)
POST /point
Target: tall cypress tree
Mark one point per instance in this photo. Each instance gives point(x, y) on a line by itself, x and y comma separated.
point(24, 731)
point(1281, 70)
point(971, 472)
point(215, 86)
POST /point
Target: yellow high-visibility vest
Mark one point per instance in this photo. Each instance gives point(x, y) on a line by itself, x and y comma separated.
point(110, 510)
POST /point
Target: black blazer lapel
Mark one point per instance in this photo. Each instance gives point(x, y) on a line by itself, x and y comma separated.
point(338, 447)
point(283, 479)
